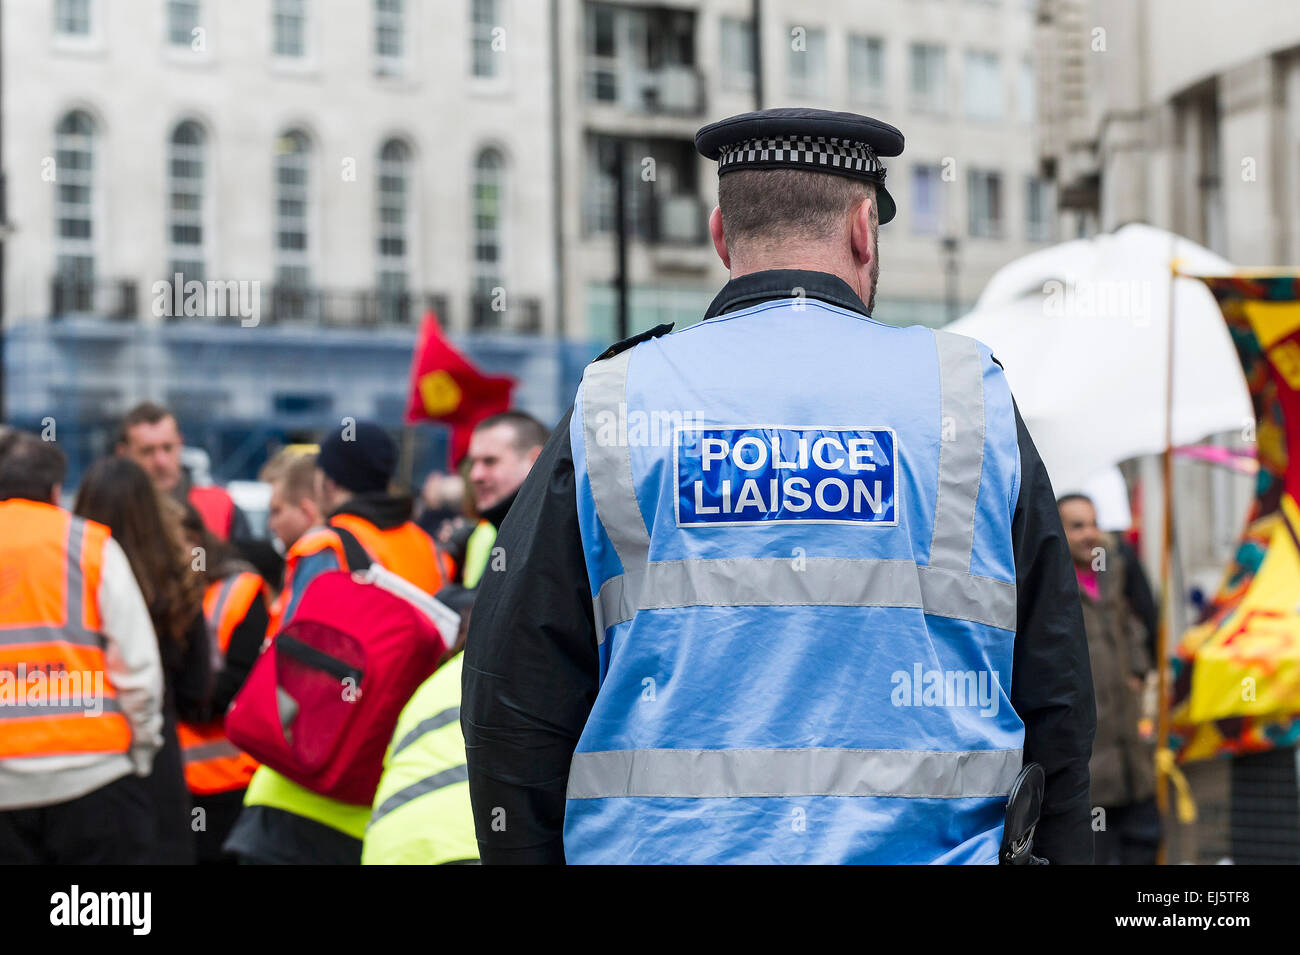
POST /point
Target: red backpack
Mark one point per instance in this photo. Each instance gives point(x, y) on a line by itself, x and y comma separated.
point(322, 701)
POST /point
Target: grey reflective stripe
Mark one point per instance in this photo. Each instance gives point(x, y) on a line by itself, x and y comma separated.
point(218, 749)
point(748, 773)
point(448, 777)
point(963, 596)
point(609, 466)
point(75, 602)
point(435, 722)
point(23, 711)
point(616, 601)
point(816, 581)
point(13, 636)
point(961, 450)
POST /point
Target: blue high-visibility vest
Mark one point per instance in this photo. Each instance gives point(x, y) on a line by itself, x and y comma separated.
point(797, 528)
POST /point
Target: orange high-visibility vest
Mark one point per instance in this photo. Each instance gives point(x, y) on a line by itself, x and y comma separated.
point(213, 764)
point(406, 550)
point(56, 698)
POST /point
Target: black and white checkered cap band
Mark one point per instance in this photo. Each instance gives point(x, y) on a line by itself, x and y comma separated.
point(817, 152)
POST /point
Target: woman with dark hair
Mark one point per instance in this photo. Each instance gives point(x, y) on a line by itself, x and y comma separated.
point(117, 492)
point(236, 609)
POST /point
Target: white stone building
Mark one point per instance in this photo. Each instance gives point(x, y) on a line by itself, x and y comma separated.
point(955, 75)
point(343, 153)
point(1184, 114)
point(358, 162)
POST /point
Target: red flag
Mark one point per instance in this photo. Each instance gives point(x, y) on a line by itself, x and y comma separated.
point(446, 388)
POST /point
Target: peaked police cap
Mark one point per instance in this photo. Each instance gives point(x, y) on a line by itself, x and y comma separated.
point(844, 144)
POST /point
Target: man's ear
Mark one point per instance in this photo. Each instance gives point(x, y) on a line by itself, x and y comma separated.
point(719, 242)
point(56, 493)
point(533, 455)
point(864, 249)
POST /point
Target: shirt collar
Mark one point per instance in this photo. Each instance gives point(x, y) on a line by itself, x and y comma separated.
point(773, 284)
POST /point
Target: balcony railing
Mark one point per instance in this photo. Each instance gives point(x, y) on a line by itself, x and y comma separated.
point(349, 309)
point(289, 305)
point(667, 91)
point(520, 315)
point(116, 299)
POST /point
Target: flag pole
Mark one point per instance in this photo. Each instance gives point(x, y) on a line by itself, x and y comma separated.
point(1166, 577)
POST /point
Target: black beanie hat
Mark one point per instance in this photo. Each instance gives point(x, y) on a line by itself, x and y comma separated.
point(359, 457)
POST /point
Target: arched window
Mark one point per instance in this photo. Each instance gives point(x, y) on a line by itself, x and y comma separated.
point(186, 203)
point(293, 226)
point(488, 211)
point(393, 249)
point(74, 214)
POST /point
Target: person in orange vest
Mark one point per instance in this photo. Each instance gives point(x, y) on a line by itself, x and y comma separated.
point(81, 683)
point(294, 509)
point(152, 438)
point(283, 822)
point(236, 612)
point(117, 493)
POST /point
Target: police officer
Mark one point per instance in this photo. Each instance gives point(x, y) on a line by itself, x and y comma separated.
point(787, 585)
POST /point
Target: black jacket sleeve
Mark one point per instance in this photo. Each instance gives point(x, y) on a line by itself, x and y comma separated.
point(1051, 684)
point(241, 653)
point(193, 673)
point(531, 650)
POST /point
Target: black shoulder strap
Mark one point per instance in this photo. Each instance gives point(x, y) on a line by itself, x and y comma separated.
point(358, 558)
point(627, 343)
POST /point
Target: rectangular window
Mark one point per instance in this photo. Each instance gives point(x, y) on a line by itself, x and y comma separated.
point(1040, 209)
point(867, 69)
point(72, 17)
point(982, 86)
point(598, 196)
point(289, 27)
point(1028, 98)
point(665, 210)
point(390, 36)
point(483, 25)
point(985, 202)
point(737, 54)
point(807, 61)
point(602, 48)
point(929, 78)
point(182, 21)
point(927, 200)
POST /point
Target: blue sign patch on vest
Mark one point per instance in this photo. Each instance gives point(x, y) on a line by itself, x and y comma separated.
point(780, 474)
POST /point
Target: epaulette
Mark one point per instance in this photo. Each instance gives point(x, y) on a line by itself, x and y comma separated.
point(635, 340)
